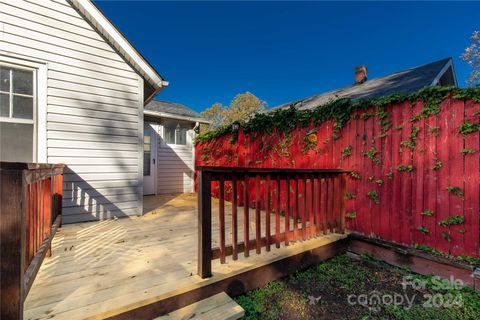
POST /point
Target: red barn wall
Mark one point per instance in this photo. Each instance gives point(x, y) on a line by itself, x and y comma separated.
point(403, 195)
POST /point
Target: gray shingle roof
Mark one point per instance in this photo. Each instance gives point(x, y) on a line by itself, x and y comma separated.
point(407, 81)
point(172, 109)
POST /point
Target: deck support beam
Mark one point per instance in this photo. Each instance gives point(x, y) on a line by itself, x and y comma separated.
point(204, 225)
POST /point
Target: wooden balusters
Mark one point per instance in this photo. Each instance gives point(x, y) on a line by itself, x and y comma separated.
point(312, 207)
point(287, 212)
point(258, 224)
point(221, 218)
point(28, 192)
point(267, 213)
point(234, 219)
point(277, 214)
point(313, 200)
point(246, 218)
point(304, 211)
point(295, 209)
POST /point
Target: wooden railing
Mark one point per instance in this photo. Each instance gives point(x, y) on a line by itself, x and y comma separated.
point(288, 204)
point(31, 206)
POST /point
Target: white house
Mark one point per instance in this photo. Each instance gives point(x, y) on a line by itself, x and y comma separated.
point(168, 147)
point(73, 91)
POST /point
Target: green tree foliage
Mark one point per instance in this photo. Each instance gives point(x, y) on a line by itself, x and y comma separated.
point(241, 109)
point(472, 57)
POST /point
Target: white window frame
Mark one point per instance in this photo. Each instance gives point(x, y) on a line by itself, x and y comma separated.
point(39, 104)
point(187, 140)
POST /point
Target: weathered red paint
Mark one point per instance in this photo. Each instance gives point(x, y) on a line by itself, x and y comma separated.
point(406, 194)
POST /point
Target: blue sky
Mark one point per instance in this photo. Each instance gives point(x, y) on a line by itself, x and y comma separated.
point(282, 51)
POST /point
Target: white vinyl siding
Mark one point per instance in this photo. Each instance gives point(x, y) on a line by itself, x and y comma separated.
point(175, 166)
point(94, 107)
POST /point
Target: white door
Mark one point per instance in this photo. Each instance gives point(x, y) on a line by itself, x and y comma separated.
point(149, 158)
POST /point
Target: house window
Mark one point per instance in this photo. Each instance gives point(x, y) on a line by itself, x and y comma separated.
point(175, 132)
point(17, 113)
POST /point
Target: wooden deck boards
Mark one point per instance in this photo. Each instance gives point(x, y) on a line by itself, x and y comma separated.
point(100, 269)
point(217, 307)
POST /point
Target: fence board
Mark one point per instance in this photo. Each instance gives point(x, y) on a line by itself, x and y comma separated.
point(472, 185)
point(443, 176)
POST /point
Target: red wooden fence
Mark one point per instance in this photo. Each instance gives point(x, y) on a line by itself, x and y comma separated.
point(413, 182)
point(31, 206)
point(313, 205)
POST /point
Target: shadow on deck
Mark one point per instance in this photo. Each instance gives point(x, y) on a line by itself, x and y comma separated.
point(142, 267)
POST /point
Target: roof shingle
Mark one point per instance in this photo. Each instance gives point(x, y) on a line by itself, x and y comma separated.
point(171, 108)
point(403, 82)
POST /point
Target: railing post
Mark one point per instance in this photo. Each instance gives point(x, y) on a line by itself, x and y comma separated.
point(12, 242)
point(204, 225)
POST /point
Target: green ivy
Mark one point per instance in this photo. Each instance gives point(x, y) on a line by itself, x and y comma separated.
point(423, 230)
point(452, 220)
point(350, 195)
point(389, 174)
point(347, 152)
point(468, 93)
point(374, 196)
point(414, 132)
point(379, 182)
point(407, 168)
point(351, 214)
point(427, 213)
point(446, 236)
point(408, 144)
point(399, 127)
point(468, 151)
point(355, 175)
point(286, 119)
point(438, 164)
point(469, 127)
point(455, 190)
point(371, 153)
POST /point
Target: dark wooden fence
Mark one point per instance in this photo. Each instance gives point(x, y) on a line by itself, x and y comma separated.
point(288, 204)
point(31, 206)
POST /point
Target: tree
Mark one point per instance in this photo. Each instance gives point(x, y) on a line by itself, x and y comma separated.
point(241, 108)
point(472, 57)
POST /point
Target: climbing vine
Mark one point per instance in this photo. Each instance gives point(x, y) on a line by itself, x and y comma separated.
point(452, 220)
point(427, 213)
point(468, 151)
point(468, 127)
point(407, 168)
point(351, 214)
point(347, 152)
point(374, 196)
point(423, 230)
point(455, 190)
point(340, 111)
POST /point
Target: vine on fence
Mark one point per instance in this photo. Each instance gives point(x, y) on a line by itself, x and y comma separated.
point(286, 119)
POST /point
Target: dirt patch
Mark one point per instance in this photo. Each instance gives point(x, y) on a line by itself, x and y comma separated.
point(342, 288)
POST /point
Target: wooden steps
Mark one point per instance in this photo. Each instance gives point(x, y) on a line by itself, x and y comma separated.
point(219, 306)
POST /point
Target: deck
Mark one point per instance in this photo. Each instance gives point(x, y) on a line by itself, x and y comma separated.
point(103, 269)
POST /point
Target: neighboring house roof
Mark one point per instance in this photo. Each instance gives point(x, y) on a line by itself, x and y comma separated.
point(154, 82)
point(172, 110)
point(408, 81)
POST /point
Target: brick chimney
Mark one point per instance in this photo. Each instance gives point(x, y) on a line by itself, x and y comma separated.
point(360, 74)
